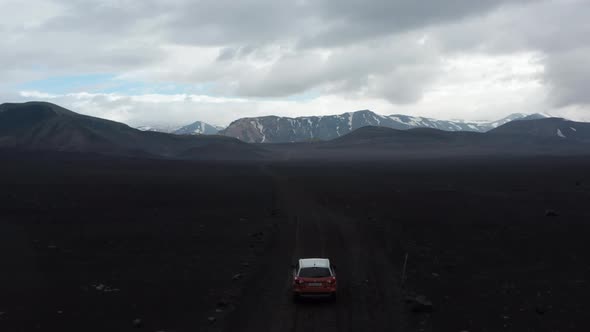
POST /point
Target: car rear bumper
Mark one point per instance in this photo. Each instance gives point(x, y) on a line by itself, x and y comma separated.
point(315, 294)
point(316, 291)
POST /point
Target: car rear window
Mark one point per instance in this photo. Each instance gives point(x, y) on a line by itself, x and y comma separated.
point(314, 272)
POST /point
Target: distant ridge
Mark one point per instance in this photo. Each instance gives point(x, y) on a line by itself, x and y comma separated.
point(274, 129)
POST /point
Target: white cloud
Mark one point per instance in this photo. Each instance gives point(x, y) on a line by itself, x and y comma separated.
point(467, 87)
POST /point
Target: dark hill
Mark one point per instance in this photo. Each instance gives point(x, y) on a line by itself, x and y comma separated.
point(549, 128)
point(382, 135)
point(45, 126)
point(511, 139)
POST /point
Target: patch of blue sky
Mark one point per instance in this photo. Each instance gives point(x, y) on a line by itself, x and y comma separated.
point(67, 84)
point(110, 83)
point(305, 96)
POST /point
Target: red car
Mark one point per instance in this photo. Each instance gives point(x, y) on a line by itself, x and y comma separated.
point(314, 277)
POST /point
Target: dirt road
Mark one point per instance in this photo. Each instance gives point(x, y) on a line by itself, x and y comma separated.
point(369, 296)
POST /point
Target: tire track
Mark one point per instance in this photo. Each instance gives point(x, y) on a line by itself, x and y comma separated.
point(369, 298)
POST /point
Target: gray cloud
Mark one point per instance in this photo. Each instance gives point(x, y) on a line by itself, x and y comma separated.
point(557, 30)
point(397, 70)
point(568, 74)
point(390, 49)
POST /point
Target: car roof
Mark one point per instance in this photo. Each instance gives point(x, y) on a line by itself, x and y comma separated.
point(314, 262)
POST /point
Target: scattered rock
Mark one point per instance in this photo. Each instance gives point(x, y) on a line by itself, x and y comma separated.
point(436, 275)
point(237, 276)
point(420, 303)
point(211, 319)
point(218, 310)
point(104, 288)
point(243, 219)
point(245, 264)
point(137, 323)
point(222, 304)
point(110, 290)
point(551, 213)
point(60, 312)
point(51, 246)
point(540, 310)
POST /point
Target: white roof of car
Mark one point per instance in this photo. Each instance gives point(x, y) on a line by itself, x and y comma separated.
point(314, 262)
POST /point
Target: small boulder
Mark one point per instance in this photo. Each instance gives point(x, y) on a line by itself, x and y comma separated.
point(211, 319)
point(551, 213)
point(137, 323)
point(237, 276)
point(420, 304)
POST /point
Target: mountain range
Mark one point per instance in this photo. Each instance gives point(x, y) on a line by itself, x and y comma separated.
point(275, 129)
point(39, 126)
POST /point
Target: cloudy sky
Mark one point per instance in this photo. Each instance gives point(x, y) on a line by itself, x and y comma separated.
point(172, 62)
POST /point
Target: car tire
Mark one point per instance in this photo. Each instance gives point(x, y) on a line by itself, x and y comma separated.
point(295, 297)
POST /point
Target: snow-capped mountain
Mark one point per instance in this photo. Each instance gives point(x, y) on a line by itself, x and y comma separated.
point(160, 129)
point(274, 129)
point(197, 128)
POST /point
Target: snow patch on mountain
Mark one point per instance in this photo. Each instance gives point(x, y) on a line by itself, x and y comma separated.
point(197, 128)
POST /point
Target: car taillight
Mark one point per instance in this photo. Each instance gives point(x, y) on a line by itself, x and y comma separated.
point(298, 281)
point(332, 280)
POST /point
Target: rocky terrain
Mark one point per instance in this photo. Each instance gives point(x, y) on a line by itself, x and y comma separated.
point(100, 244)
